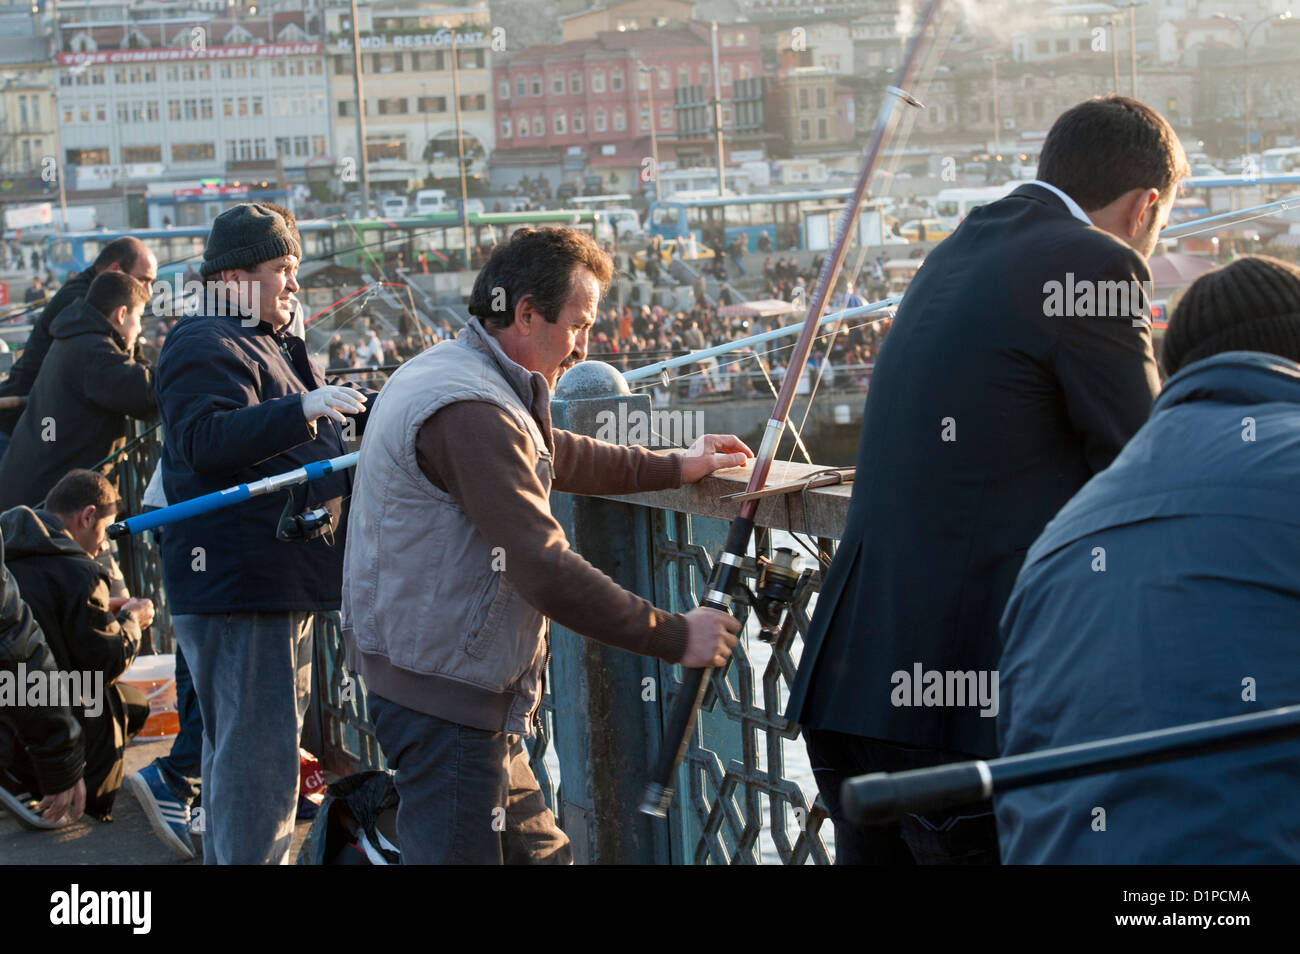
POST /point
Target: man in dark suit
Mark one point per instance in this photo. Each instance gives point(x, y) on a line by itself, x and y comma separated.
point(999, 391)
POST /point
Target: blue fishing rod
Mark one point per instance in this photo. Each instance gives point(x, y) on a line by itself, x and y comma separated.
point(220, 499)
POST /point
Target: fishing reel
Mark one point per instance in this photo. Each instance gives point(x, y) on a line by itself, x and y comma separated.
point(307, 525)
point(779, 586)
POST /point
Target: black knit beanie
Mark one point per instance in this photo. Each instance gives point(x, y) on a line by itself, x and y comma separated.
point(1251, 305)
point(246, 236)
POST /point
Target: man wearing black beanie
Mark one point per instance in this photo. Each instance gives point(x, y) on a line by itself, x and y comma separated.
point(239, 401)
point(1167, 592)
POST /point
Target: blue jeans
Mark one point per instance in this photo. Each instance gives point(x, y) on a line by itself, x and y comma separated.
point(467, 796)
point(964, 835)
point(252, 676)
point(182, 766)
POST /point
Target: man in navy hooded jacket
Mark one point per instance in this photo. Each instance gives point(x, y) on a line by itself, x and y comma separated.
point(240, 401)
point(1168, 592)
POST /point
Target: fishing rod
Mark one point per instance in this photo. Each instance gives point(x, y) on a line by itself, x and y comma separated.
point(220, 499)
point(778, 581)
point(1195, 226)
point(884, 797)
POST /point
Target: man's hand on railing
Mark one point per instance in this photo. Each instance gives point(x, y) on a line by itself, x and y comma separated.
point(711, 634)
point(713, 452)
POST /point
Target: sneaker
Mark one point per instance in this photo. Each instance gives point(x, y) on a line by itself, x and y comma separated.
point(22, 804)
point(168, 816)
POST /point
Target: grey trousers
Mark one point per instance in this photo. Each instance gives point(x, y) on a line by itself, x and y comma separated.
point(252, 676)
point(468, 796)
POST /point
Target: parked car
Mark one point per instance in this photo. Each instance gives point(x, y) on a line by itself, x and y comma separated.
point(702, 251)
point(925, 230)
point(393, 207)
point(430, 201)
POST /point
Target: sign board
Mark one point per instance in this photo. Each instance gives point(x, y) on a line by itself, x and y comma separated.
point(29, 216)
point(441, 40)
point(171, 53)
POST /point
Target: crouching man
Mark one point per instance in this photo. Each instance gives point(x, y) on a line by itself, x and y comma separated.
point(457, 469)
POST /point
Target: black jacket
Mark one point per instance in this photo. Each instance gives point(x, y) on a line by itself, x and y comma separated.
point(68, 593)
point(230, 398)
point(984, 416)
point(50, 735)
point(23, 374)
point(76, 414)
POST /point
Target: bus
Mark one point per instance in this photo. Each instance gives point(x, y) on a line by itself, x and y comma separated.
point(802, 221)
point(366, 244)
point(1284, 159)
point(953, 205)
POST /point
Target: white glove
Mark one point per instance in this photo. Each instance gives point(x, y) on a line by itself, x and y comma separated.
point(329, 400)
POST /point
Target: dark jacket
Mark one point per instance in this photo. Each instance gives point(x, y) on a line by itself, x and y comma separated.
point(76, 414)
point(983, 418)
point(68, 593)
point(50, 735)
point(1192, 616)
point(230, 398)
point(23, 374)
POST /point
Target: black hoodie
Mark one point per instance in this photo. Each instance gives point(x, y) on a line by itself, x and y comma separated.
point(76, 414)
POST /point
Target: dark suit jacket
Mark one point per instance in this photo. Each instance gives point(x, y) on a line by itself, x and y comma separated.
point(985, 415)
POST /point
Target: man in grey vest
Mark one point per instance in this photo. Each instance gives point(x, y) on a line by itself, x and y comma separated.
point(454, 561)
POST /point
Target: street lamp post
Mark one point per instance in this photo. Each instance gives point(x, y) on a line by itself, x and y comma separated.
point(997, 115)
point(1132, 39)
point(654, 139)
point(1114, 53)
point(426, 152)
point(460, 147)
point(1239, 22)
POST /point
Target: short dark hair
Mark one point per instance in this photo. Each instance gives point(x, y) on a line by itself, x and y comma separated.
point(113, 290)
point(123, 252)
point(537, 264)
point(1107, 146)
point(78, 489)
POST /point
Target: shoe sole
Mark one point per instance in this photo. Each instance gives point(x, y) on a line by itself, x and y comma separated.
point(140, 789)
point(25, 816)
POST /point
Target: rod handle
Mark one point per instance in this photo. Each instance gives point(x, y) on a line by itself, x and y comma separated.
point(884, 797)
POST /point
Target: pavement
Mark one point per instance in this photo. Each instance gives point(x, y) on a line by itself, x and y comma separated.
point(126, 840)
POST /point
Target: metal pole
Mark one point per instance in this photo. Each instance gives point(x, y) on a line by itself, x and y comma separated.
point(428, 164)
point(1132, 46)
point(359, 90)
point(1114, 55)
point(60, 164)
point(651, 74)
point(997, 114)
point(460, 146)
point(717, 116)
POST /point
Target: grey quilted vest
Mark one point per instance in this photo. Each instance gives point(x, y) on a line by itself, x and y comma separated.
point(429, 619)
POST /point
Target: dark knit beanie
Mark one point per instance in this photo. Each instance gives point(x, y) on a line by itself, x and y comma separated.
point(245, 236)
point(1251, 305)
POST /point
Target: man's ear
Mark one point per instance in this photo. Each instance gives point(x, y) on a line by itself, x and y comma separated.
point(525, 313)
point(119, 315)
point(87, 516)
point(1142, 204)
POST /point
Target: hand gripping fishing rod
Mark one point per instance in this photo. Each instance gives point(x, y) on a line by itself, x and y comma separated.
point(726, 582)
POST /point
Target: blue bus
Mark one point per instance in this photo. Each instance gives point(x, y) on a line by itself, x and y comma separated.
point(792, 220)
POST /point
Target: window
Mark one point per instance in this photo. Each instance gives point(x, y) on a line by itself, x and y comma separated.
point(232, 151)
point(642, 80)
point(188, 73)
point(394, 148)
point(505, 127)
point(342, 64)
point(387, 62)
point(345, 108)
point(665, 117)
point(193, 152)
point(598, 81)
point(821, 97)
point(85, 114)
point(67, 116)
point(560, 124)
point(683, 76)
point(318, 145)
point(153, 111)
point(598, 120)
point(241, 72)
point(822, 128)
point(644, 121)
point(503, 89)
point(259, 149)
point(724, 74)
point(172, 73)
point(205, 72)
point(523, 127)
point(242, 106)
point(300, 146)
point(804, 129)
point(539, 126)
point(123, 113)
point(726, 37)
point(101, 112)
point(391, 106)
point(282, 145)
point(521, 87)
point(433, 104)
point(88, 157)
point(191, 109)
point(205, 108)
point(227, 107)
point(1063, 46)
point(579, 122)
point(557, 85)
point(97, 77)
point(36, 109)
point(142, 153)
point(616, 81)
point(620, 118)
point(803, 97)
point(428, 62)
point(746, 72)
point(537, 86)
point(575, 82)
point(471, 59)
point(257, 106)
point(470, 101)
point(705, 76)
point(664, 79)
